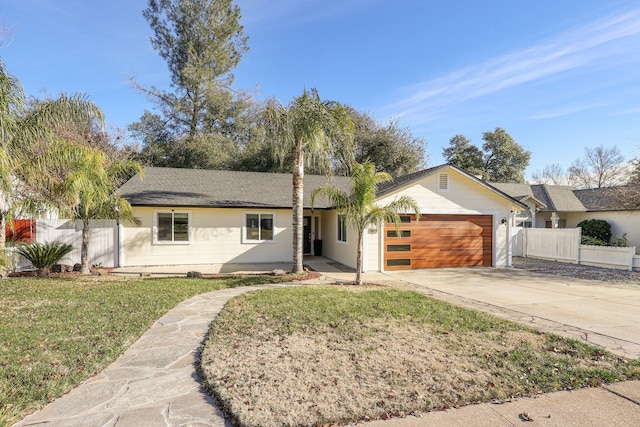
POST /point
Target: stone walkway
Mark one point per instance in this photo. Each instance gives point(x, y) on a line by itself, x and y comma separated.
point(155, 382)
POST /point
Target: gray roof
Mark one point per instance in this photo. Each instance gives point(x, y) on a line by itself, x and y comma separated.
point(610, 198)
point(523, 192)
point(228, 189)
point(558, 198)
point(234, 189)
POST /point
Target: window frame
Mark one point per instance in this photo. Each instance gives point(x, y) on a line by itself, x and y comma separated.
point(156, 229)
point(246, 240)
point(341, 229)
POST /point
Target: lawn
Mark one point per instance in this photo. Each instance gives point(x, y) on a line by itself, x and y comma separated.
point(57, 332)
point(336, 354)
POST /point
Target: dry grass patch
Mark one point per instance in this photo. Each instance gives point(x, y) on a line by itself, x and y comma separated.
point(327, 354)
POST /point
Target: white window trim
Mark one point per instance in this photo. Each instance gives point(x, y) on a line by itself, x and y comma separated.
point(346, 230)
point(440, 189)
point(244, 227)
point(171, 242)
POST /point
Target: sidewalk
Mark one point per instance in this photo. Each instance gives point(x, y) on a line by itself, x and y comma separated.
point(156, 383)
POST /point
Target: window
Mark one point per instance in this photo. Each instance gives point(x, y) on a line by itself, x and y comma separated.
point(398, 248)
point(172, 227)
point(342, 229)
point(562, 223)
point(258, 227)
point(398, 262)
point(443, 182)
point(403, 233)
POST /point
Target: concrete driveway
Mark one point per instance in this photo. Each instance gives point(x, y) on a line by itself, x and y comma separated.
point(596, 312)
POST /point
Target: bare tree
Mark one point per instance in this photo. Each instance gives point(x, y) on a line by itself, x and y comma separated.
point(551, 174)
point(600, 167)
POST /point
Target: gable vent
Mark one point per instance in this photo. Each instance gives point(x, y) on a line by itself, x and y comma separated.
point(443, 182)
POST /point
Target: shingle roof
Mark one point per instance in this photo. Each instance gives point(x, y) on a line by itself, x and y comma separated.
point(214, 188)
point(610, 198)
point(234, 189)
point(522, 192)
point(559, 198)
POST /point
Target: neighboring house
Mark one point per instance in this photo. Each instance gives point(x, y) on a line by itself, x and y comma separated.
point(205, 216)
point(552, 206)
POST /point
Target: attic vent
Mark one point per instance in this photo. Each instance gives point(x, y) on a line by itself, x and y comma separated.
point(443, 182)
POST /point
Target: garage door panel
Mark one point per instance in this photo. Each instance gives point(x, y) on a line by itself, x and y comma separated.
point(440, 241)
point(443, 244)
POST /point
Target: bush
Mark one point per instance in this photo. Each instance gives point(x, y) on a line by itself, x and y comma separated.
point(44, 256)
point(596, 228)
point(622, 242)
point(587, 240)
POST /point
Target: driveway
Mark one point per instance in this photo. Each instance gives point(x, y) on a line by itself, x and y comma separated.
point(597, 312)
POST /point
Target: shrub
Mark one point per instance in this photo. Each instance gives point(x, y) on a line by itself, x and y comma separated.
point(44, 256)
point(596, 228)
point(622, 242)
point(588, 240)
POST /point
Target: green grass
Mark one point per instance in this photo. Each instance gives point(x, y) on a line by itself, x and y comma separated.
point(57, 332)
point(359, 346)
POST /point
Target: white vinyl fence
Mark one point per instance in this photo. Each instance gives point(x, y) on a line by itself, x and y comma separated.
point(103, 241)
point(564, 245)
point(517, 241)
point(557, 244)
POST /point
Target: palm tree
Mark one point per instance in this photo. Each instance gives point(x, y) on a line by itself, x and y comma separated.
point(12, 102)
point(307, 130)
point(74, 174)
point(24, 136)
point(359, 207)
point(88, 191)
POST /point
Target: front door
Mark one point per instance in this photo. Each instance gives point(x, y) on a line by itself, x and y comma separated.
point(306, 235)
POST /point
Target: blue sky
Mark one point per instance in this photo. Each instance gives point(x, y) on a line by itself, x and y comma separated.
point(557, 75)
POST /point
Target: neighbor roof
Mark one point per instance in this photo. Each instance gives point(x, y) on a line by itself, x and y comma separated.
point(225, 189)
point(610, 198)
point(558, 198)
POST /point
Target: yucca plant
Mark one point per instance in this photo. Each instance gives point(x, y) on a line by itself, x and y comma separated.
point(43, 256)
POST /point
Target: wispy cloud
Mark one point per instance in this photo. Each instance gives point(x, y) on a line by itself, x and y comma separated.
point(576, 49)
point(565, 111)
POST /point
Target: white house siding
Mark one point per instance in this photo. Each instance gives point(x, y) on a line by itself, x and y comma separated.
point(216, 237)
point(345, 253)
point(371, 248)
point(621, 222)
point(464, 196)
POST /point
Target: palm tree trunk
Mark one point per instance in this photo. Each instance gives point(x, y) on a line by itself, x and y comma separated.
point(84, 249)
point(359, 259)
point(298, 207)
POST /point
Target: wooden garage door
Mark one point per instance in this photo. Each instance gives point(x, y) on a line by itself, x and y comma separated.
point(439, 241)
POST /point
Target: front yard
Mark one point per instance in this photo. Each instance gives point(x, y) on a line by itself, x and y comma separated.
point(297, 356)
point(334, 354)
point(57, 332)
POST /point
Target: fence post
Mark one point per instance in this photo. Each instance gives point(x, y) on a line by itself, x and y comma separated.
point(632, 252)
point(579, 251)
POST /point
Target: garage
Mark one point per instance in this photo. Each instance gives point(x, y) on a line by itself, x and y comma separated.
point(437, 241)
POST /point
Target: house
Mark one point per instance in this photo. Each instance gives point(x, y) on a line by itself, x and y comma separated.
point(207, 216)
point(552, 206)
